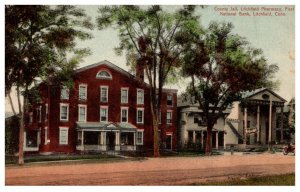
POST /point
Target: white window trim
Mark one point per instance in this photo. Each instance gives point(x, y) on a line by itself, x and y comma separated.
point(171, 134)
point(127, 89)
point(137, 110)
point(104, 107)
point(67, 136)
point(46, 112)
point(68, 93)
point(85, 86)
point(85, 111)
point(46, 135)
point(102, 86)
point(172, 100)
point(137, 98)
point(169, 111)
point(141, 131)
point(103, 77)
point(60, 105)
point(40, 113)
point(124, 108)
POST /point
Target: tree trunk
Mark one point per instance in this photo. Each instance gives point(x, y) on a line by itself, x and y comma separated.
point(155, 132)
point(208, 140)
point(21, 131)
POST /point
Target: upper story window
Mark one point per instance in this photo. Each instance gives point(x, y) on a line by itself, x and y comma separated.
point(124, 114)
point(64, 93)
point(140, 96)
point(46, 112)
point(64, 112)
point(39, 113)
point(124, 95)
point(82, 92)
point(140, 115)
point(104, 94)
point(170, 100)
point(103, 113)
point(82, 113)
point(103, 75)
point(169, 117)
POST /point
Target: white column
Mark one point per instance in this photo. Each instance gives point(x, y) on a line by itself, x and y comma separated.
point(104, 138)
point(217, 139)
point(281, 124)
point(245, 125)
point(202, 136)
point(194, 136)
point(270, 122)
point(257, 123)
point(82, 140)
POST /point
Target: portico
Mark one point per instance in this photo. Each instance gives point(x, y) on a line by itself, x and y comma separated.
point(101, 136)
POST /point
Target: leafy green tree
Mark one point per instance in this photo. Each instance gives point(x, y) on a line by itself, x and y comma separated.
point(38, 40)
point(147, 36)
point(222, 66)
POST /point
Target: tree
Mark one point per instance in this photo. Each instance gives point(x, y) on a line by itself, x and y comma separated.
point(37, 42)
point(222, 66)
point(147, 35)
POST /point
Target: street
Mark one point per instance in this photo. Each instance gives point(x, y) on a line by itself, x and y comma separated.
point(153, 171)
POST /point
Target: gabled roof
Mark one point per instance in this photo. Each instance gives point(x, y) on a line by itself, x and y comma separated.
point(105, 126)
point(117, 68)
point(107, 63)
point(253, 93)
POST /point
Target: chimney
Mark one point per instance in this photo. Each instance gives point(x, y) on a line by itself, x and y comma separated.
point(140, 72)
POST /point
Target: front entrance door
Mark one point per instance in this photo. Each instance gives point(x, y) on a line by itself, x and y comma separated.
point(110, 140)
point(267, 132)
point(169, 142)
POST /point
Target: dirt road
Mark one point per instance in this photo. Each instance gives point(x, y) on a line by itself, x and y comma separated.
point(153, 171)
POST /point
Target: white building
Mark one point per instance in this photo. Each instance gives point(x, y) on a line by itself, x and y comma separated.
point(253, 121)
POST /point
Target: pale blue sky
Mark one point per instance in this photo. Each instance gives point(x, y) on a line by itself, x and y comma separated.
point(275, 35)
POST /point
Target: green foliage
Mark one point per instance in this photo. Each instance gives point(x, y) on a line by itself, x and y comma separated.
point(37, 40)
point(11, 134)
point(222, 65)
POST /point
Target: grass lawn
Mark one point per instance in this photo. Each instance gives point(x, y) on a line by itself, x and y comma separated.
point(276, 180)
point(12, 160)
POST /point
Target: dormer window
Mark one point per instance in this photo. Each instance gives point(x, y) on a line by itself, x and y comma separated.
point(103, 75)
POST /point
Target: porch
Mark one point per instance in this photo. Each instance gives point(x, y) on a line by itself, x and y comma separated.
point(95, 136)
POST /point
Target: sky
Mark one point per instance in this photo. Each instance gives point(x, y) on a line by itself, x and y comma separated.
point(275, 35)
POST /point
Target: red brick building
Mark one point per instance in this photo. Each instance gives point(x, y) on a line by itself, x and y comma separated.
point(107, 109)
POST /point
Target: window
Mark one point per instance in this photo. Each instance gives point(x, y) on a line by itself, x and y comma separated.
point(46, 112)
point(63, 135)
point(103, 75)
point(64, 112)
point(82, 92)
point(81, 112)
point(104, 93)
point(46, 135)
point(103, 113)
point(124, 95)
point(140, 96)
point(39, 113)
point(124, 114)
point(139, 137)
point(64, 93)
point(170, 100)
point(140, 115)
point(169, 117)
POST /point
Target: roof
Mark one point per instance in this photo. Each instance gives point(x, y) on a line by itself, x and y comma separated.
point(117, 68)
point(249, 94)
point(193, 105)
point(106, 126)
point(107, 63)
